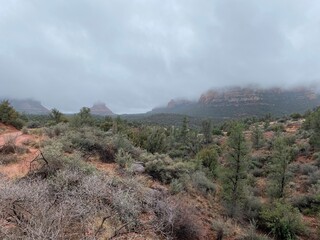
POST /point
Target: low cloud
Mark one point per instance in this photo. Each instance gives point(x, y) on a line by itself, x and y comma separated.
point(138, 54)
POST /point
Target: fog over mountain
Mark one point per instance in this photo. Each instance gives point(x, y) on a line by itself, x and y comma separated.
point(137, 54)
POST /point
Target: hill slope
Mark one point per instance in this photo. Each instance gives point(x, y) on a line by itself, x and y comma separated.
point(101, 109)
point(244, 102)
point(29, 106)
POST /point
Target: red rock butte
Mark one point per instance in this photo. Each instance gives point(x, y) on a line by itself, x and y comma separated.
point(101, 109)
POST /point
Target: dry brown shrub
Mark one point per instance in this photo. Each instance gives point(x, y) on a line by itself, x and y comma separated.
point(177, 220)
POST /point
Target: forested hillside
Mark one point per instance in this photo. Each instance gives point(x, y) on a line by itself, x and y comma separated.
point(232, 103)
point(81, 177)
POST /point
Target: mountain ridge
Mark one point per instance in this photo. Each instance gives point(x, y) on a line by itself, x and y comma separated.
point(244, 102)
point(28, 106)
point(101, 109)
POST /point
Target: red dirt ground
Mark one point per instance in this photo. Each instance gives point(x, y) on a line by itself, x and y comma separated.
point(21, 167)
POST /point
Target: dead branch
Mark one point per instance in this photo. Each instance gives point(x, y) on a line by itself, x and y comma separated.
point(117, 232)
point(101, 225)
point(38, 159)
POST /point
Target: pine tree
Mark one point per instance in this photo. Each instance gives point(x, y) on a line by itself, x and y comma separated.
point(257, 137)
point(315, 126)
point(235, 171)
point(279, 174)
point(184, 129)
point(83, 118)
point(156, 141)
point(8, 115)
point(207, 131)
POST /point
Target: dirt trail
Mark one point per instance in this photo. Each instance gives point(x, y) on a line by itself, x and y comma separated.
point(21, 167)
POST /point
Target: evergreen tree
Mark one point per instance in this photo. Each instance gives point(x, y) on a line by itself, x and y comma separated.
point(184, 129)
point(156, 141)
point(257, 137)
point(56, 116)
point(314, 121)
point(207, 131)
point(282, 156)
point(235, 172)
point(83, 118)
point(8, 115)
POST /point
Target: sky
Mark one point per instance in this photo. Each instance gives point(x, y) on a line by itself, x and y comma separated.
point(135, 55)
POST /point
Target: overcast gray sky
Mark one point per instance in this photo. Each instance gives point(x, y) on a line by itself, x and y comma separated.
point(137, 54)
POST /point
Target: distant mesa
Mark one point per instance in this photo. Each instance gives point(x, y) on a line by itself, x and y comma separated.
point(29, 106)
point(101, 109)
point(241, 102)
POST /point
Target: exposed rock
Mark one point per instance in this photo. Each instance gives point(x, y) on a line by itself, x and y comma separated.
point(137, 168)
point(101, 109)
point(240, 102)
point(252, 96)
point(231, 96)
point(28, 106)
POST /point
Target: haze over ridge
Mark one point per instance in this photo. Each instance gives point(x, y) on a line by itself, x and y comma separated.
point(135, 55)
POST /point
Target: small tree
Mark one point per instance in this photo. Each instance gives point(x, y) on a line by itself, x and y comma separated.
point(257, 137)
point(83, 118)
point(235, 170)
point(56, 116)
point(314, 124)
point(282, 156)
point(208, 157)
point(207, 131)
point(156, 142)
point(8, 115)
point(282, 220)
point(184, 129)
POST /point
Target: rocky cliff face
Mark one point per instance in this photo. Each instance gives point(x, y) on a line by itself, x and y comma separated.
point(245, 102)
point(234, 96)
point(29, 106)
point(251, 96)
point(101, 109)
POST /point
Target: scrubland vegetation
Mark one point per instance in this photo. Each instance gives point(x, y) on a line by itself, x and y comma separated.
point(112, 179)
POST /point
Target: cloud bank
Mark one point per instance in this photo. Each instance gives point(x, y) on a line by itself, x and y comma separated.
point(137, 54)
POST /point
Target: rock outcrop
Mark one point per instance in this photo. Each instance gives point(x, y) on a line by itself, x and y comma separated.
point(29, 106)
point(101, 109)
point(244, 102)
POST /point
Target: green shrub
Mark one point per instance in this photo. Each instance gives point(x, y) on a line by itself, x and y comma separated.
point(251, 207)
point(208, 158)
point(91, 141)
point(316, 157)
point(307, 169)
point(53, 160)
point(221, 228)
point(176, 186)
point(156, 141)
point(296, 116)
point(33, 124)
point(18, 123)
point(165, 170)
point(123, 158)
point(202, 183)
point(252, 233)
point(283, 220)
point(8, 115)
point(121, 142)
point(8, 159)
point(24, 130)
point(308, 204)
